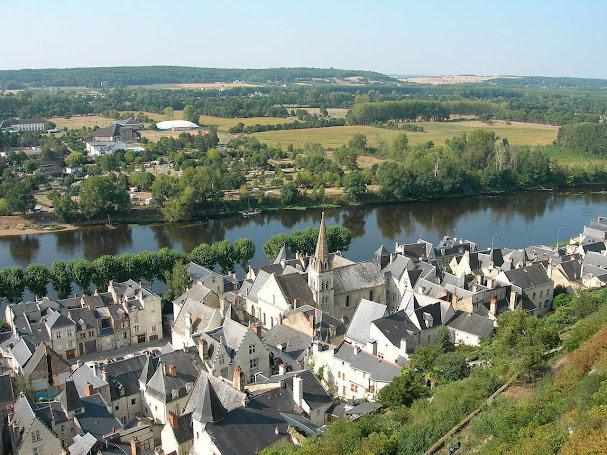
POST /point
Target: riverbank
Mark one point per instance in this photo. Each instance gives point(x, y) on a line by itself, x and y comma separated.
point(32, 224)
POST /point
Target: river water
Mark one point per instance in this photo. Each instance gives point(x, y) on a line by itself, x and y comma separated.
point(519, 220)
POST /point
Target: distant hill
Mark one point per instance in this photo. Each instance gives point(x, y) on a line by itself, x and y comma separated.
point(145, 75)
point(550, 82)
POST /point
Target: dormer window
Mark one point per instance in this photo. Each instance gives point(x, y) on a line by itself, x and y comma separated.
point(175, 394)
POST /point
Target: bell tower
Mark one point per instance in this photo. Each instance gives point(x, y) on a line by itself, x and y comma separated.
point(320, 272)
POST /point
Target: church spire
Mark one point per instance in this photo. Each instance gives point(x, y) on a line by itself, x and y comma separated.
point(322, 245)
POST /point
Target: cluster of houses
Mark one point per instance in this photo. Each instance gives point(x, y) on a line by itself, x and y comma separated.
point(114, 137)
point(251, 363)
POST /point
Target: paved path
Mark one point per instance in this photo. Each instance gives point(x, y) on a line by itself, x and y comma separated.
point(137, 349)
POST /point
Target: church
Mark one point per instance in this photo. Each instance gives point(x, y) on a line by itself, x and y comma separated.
point(326, 280)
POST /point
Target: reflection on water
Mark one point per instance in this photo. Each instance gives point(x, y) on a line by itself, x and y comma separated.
point(519, 219)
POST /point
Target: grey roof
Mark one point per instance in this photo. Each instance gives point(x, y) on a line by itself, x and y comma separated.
point(301, 424)
point(249, 430)
point(396, 327)
point(208, 407)
point(69, 398)
point(201, 315)
point(229, 397)
point(474, 324)
point(367, 407)
point(23, 416)
point(7, 394)
point(188, 366)
point(378, 368)
point(283, 255)
point(381, 251)
point(123, 375)
point(96, 419)
point(39, 333)
point(232, 332)
point(397, 266)
point(184, 431)
point(51, 358)
point(596, 246)
point(361, 275)
point(83, 445)
point(314, 394)
point(572, 270)
point(528, 277)
point(57, 320)
point(84, 318)
point(198, 273)
point(84, 374)
point(595, 259)
point(22, 351)
point(366, 313)
point(295, 286)
point(148, 370)
point(294, 343)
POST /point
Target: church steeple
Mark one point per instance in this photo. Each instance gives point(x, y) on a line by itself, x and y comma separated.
point(321, 256)
point(320, 272)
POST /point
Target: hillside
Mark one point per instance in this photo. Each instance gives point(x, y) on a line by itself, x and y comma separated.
point(147, 75)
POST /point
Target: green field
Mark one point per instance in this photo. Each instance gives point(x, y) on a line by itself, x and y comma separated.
point(224, 124)
point(437, 132)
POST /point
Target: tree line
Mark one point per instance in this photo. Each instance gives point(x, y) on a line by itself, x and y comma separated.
point(145, 265)
point(304, 242)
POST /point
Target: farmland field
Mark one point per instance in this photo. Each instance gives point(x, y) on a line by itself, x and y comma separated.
point(437, 132)
point(79, 121)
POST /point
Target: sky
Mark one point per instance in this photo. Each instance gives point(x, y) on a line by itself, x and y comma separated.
point(422, 37)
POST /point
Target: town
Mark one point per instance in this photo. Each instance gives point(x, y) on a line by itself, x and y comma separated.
point(274, 358)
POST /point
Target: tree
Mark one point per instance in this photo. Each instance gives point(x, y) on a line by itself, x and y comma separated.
point(288, 193)
point(401, 391)
point(105, 268)
point(74, 158)
point(36, 279)
point(339, 238)
point(4, 327)
point(177, 279)
point(81, 272)
point(244, 251)
point(451, 366)
point(66, 209)
point(100, 196)
point(204, 255)
point(358, 142)
point(60, 279)
point(273, 245)
point(181, 207)
point(190, 114)
point(355, 184)
point(12, 283)
point(168, 112)
point(520, 343)
point(30, 165)
point(224, 252)
point(166, 260)
point(347, 157)
point(146, 266)
point(18, 196)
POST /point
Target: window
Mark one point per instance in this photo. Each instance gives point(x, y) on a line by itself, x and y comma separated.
point(339, 374)
point(371, 295)
point(133, 400)
point(253, 363)
point(116, 407)
point(91, 333)
point(343, 390)
point(541, 293)
point(59, 345)
point(125, 335)
point(70, 344)
point(136, 328)
point(123, 420)
point(221, 360)
point(251, 349)
point(82, 335)
point(58, 334)
point(153, 328)
point(353, 388)
point(371, 388)
point(36, 436)
point(347, 300)
point(534, 296)
point(38, 450)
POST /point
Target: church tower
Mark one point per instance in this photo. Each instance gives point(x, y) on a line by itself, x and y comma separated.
point(320, 272)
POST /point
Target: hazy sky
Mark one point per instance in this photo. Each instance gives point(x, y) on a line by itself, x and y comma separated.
point(552, 38)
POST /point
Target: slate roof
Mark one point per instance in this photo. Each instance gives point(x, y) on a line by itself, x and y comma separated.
point(83, 445)
point(201, 315)
point(360, 275)
point(294, 343)
point(39, 333)
point(69, 398)
point(51, 358)
point(396, 327)
point(314, 394)
point(184, 431)
point(208, 407)
point(571, 269)
point(199, 273)
point(366, 313)
point(7, 395)
point(123, 375)
point(283, 255)
point(23, 417)
point(367, 407)
point(249, 430)
point(57, 320)
point(378, 368)
point(96, 419)
point(82, 375)
point(295, 286)
point(229, 397)
point(301, 424)
point(471, 323)
point(22, 351)
point(397, 266)
point(232, 333)
point(595, 259)
point(84, 318)
point(188, 366)
point(528, 277)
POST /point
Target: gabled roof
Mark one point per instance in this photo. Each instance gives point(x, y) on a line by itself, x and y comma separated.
point(396, 327)
point(83, 374)
point(293, 343)
point(56, 320)
point(379, 369)
point(358, 276)
point(365, 314)
point(381, 251)
point(184, 431)
point(528, 277)
point(473, 324)
point(295, 286)
point(199, 273)
point(7, 394)
point(397, 266)
point(123, 375)
point(22, 351)
point(188, 365)
point(208, 407)
point(283, 255)
point(96, 419)
point(83, 445)
point(229, 397)
point(69, 398)
point(54, 363)
point(572, 270)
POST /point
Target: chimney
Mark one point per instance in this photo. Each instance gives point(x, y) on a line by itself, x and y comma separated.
point(173, 370)
point(164, 369)
point(257, 329)
point(135, 446)
point(188, 325)
point(173, 419)
point(512, 300)
point(204, 349)
point(88, 389)
point(493, 307)
point(454, 300)
point(295, 303)
point(104, 373)
point(237, 378)
point(280, 318)
point(297, 389)
point(47, 349)
point(276, 431)
point(281, 369)
point(311, 324)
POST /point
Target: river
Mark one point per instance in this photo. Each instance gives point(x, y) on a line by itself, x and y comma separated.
point(519, 220)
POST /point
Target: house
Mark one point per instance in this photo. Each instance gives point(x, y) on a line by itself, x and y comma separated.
point(468, 328)
point(193, 319)
point(306, 390)
point(7, 394)
point(118, 132)
point(87, 330)
point(354, 373)
point(73, 169)
point(567, 274)
point(46, 371)
point(166, 387)
point(234, 346)
point(359, 330)
point(530, 284)
point(98, 148)
point(205, 277)
point(29, 432)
